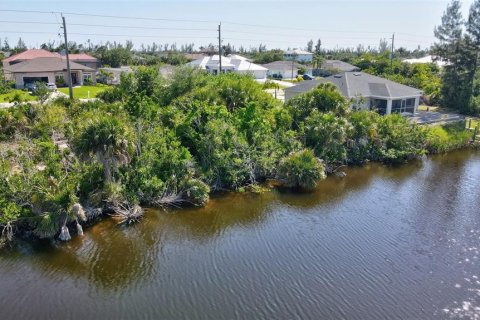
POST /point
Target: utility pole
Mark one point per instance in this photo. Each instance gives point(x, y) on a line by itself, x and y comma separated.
point(69, 74)
point(220, 47)
point(391, 54)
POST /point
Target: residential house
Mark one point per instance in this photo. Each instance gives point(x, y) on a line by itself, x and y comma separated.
point(298, 55)
point(232, 63)
point(49, 70)
point(31, 54)
point(283, 69)
point(330, 67)
point(426, 60)
point(367, 92)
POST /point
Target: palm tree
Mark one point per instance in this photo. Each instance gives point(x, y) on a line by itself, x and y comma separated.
point(108, 138)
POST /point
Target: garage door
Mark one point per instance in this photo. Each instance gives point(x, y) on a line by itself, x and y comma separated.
point(35, 79)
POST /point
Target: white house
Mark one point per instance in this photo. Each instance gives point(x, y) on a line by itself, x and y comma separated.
point(366, 91)
point(283, 69)
point(298, 55)
point(232, 63)
point(426, 59)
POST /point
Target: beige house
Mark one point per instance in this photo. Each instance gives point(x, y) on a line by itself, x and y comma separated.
point(49, 70)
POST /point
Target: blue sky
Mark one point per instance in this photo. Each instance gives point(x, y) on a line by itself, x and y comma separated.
point(276, 23)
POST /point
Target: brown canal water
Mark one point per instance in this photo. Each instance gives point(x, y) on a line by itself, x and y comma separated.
point(383, 243)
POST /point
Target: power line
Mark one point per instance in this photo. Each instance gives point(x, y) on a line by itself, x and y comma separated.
point(108, 26)
point(106, 35)
point(202, 21)
point(107, 16)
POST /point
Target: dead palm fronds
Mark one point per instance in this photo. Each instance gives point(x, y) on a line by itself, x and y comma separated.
point(127, 214)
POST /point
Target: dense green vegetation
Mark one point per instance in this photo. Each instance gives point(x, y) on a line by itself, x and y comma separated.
point(159, 142)
point(16, 95)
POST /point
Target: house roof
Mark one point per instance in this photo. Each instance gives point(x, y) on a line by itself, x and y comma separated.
point(426, 59)
point(281, 65)
point(339, 65)
point(31, 54)
point(297, 51)
point(354, 84)
point(81, 57)
point(235, 62)
point(45, 65)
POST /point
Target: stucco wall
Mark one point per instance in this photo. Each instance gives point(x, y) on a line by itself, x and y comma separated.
point(286, 74)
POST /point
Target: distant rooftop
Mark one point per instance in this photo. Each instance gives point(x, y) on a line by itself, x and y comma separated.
point(354, 84)
point(281, 65)
point(339, 65)
point(297, 51)
point(237, 62)
point(48, 64)
point(426, 59)
point(32, 54)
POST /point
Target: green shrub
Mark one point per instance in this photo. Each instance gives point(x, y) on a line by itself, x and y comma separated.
point(301, 169)
point(441, 139)
point(197, 192)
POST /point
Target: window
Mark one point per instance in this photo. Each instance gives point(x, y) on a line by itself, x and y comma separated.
point(397, 106)
point(87, 78)
point(379, 106)
point(410, 105)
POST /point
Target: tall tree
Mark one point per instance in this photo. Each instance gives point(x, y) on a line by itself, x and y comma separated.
point(21, 46)
point(6, 46)
point(310, 46)
point(473, 29)
point(383, 46)
point(452, 48)
point(318, 47)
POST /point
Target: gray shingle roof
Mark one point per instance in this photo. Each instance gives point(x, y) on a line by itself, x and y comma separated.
point(45, 65)
point(281, 65)
point(339, 65)
point(353, 84)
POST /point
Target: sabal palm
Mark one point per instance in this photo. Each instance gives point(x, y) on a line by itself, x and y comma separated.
point(109, 139)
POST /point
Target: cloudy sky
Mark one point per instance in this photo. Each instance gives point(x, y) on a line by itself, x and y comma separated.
point(276, 23)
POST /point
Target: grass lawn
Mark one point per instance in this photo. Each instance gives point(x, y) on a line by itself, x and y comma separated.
point(423, 107)
point(82, 92)
point(23, 96)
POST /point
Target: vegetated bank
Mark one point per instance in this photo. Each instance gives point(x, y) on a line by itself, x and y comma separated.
point(159, 142)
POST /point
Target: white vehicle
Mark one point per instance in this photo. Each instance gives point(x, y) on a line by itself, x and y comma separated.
point(52, 86)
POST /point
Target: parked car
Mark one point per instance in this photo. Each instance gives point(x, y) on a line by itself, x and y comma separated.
point(308, 77)
point(30, 86)
point(52, 86)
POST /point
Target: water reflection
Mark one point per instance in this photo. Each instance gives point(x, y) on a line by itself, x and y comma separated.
point(407, 236)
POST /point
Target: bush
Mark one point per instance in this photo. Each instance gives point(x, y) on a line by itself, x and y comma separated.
point(197, 192)
point(326, 134)
point(441, 139)
point(301, 169)
point(325, 98)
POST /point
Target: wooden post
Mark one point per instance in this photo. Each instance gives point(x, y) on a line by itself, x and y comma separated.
point(470, 124)
point(475, 133)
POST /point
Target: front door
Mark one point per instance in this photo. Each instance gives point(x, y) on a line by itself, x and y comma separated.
point(74, 78)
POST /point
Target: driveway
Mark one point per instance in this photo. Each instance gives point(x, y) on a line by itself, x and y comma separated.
point(430, 117)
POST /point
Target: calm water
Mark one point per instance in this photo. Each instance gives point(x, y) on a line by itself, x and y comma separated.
point(383, 243)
